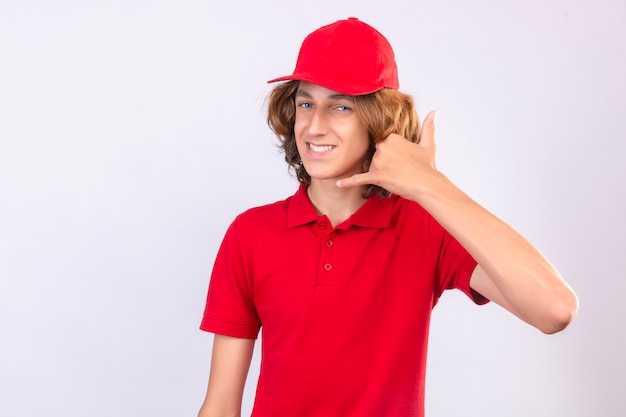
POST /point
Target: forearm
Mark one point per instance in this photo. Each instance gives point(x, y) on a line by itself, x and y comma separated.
point(230, 362)
point(211, 409)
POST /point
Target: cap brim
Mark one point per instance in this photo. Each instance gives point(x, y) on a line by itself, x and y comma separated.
point(349, 87)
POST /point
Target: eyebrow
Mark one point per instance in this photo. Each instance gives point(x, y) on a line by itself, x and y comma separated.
point(337, 96)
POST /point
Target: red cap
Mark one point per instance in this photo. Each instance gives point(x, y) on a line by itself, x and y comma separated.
point(348, 56)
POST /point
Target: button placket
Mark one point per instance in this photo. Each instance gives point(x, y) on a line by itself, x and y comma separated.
point(326, 275)
point(327, 250)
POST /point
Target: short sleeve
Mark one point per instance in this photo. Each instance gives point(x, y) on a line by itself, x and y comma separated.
point(454, 265)
point(230, 308)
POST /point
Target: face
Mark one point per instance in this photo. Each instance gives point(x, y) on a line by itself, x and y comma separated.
point(331, 138)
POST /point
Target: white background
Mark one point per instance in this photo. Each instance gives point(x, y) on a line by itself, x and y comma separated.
point(132, 133)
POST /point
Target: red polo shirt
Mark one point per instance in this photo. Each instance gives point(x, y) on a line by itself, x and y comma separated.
point(345, 311)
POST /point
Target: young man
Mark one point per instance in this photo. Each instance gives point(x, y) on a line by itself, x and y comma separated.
point(343, 275)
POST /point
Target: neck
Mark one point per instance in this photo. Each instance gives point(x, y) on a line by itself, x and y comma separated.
point(338, 204)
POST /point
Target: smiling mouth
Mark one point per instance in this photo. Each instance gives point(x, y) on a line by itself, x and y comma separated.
point(320, 148)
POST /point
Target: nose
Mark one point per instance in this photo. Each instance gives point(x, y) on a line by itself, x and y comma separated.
point(317, 123)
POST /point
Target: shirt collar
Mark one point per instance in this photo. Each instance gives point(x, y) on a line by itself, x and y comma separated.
point(374, 213)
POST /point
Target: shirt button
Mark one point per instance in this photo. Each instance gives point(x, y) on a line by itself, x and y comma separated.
point(323, 226)
point(328, 267)
point(329, 243)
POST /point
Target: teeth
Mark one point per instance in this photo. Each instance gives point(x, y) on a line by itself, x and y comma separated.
point(323, 148)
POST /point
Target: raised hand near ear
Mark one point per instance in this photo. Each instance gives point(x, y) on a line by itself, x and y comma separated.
point(398, 165)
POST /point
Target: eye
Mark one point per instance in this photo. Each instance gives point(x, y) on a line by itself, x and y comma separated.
point(304, 105)
point(343, 108)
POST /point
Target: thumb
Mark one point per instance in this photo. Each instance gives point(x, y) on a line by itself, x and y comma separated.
point(427, 136)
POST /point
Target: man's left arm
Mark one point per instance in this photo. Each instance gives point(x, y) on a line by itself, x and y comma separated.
point(511, 271)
